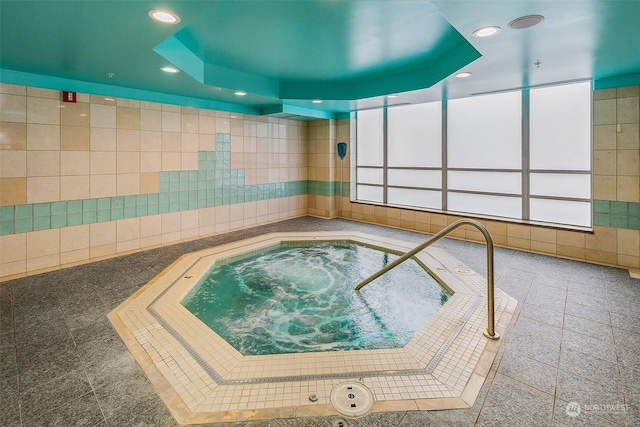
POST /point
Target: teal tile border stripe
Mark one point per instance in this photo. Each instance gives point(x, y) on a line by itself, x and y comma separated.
point(615, 214)
point(215, 183)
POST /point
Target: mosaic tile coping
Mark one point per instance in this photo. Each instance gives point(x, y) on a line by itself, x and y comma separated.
point(202, 379)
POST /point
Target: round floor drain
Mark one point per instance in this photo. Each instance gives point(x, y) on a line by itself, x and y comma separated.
point(464, 271)
point(351, 399)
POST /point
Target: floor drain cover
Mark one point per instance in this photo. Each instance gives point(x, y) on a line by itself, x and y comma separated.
point(464, 271)
point(351, 399)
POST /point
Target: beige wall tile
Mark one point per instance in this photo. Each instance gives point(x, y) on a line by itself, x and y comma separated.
point(171, 142)
point(189, 161)
point(605, 187)
point(43, 93)
point(104, 251)
point(628, 111)
point(128, 162)
point(16, 268)
point(74, 163)
point(627, 162)
point(189, 219)
point(74, 238)
point(604, 112)
point(127, 229)
point(190, 143)
point(75, 138)
point(628, 188)
point(604, 162)
point(102, 233)
point(206, 125)
point(13, 89)
point(150, 226)
point(102, 185)
point(43, 189)
point(623, 92)
point(103, 139)
point(571, 252)
point(546, 235)
point(43, 243)
point(543, 247)
point(72, 258)
point(571, 238)
point(171, 161)
point(128, 184)
point(128, 140)
point(103, 162)
point(628, 137)
point(171, 122)
point(74, 187)
point(75, 114)
point(13, 108)
point(599, 257)
point(604, 137)
point(128, 118)
point(13, 191)
point(628, 261)
point(628, 242)
point(150, 183)
point(43, 264)
point(13, 164)
point(150, 162)
point(13, 247)
point(150, 120)
point(102, 116)
point(43, 111)
point(519, 231)
point(604, 94)
point(13, 136)
point(603, 239)
point(171, 222)
point(190, 123)
point(150, 141)
point(43, 137)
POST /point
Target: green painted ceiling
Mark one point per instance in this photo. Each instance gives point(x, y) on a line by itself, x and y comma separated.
point(286, 53)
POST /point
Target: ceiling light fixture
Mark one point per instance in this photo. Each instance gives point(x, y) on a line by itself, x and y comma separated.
point(163, 16)
point(486, 31)
point(317, 101)
point(170, 70)
point(240, 93)
point(392, 96)
point(463, 75)
point(526, 22)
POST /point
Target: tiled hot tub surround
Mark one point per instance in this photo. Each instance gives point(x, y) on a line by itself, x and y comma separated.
point(202, 378)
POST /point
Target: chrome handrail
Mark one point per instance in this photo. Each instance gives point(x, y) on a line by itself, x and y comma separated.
point(490, 332)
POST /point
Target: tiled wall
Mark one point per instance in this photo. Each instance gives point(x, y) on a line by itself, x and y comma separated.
point(107, 176)
point(616, 236)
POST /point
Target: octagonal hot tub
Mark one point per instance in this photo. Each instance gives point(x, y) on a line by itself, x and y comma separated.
point(202, 378)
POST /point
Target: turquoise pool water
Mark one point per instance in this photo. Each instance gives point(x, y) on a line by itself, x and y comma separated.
point(299, 297)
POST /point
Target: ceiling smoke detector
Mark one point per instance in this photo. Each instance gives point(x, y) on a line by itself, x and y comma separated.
point(525, 22)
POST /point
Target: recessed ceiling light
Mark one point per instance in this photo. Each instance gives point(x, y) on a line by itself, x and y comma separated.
point(170, 70)
point(240, 93)
point(463, 75)
point(164, 16)
point(317, 101)
point(486, 31)
point(526, 22)
point(392, 96)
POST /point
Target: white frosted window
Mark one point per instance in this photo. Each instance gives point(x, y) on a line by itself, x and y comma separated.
point(509, 207)
point(370, 176)
point(561, 212)
point(485, 131)
point(370, 138)
point(560, 127)
point(417, 198)
point(414, 178)
point(489, 182)
point(369, 193)
point(414, 135)
point(561, 185)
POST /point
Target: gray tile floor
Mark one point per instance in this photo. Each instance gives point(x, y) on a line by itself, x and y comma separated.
point(575, 339)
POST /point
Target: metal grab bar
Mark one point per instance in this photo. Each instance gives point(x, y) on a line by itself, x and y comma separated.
point(490, 332)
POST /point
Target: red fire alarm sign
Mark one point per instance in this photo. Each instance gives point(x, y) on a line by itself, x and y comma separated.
point(69, 96)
